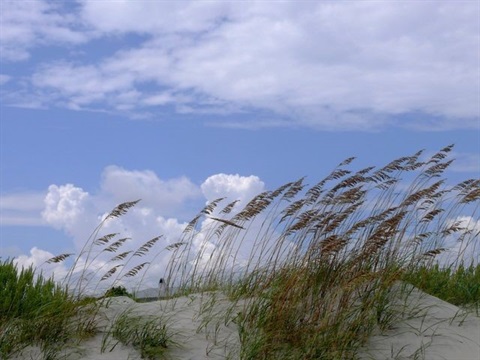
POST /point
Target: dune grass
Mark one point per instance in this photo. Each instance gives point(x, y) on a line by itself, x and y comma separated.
point(37, 311)
point(310, 270)
point(322, 259)
point(459, 286)
point(150, 336)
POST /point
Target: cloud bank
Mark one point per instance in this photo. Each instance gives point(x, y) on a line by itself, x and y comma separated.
point(323, 65)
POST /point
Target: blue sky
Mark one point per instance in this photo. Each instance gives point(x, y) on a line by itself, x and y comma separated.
point(177, 102)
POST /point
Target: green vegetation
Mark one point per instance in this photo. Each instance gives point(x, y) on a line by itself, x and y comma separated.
point(56, 316)
point(117, 291)
point(37, 311)
point(309, 271)
point(459, 286)
point(149, 336)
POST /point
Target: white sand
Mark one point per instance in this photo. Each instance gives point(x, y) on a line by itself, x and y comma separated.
point(431, 329)
point(186, 318)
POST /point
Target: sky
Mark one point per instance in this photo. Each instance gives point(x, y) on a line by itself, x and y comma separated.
point(178, 103)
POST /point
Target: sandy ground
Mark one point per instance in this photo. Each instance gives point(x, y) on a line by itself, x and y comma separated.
point(430, 329)
point(197, 327)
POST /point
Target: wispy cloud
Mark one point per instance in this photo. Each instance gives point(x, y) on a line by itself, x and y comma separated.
point(22, 209)
point(4, 79)
point(466, 162)
point(326, 65)
point(28, 24)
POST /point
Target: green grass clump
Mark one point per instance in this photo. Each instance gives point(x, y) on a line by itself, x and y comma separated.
point(117, 291)
point(459, 286)
point(36, 311)
point(149, 336)
point(56, 316)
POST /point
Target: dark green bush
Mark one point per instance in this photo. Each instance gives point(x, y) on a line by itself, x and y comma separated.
point(117, 291)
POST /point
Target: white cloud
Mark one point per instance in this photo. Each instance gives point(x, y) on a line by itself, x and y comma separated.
point(21, 209)
point(26, 24)
point(326, 65)
point(466, 162)
point(27, 201)
point(65, 206)
point(233, 187)
point(83, 84)
point(469, 248)
point(77, 213)
point(164, 195)
point(152, 17)
point(4, 79)
point(37, 259)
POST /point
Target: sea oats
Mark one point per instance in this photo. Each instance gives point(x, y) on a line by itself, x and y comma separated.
point(105, 239)
point(110, 272)
point(142, 250)
point(280, 190)
point(58, 258)
point(429, 216)
point(434, 252)
point(347, 161)
point(229, 207)
point(227, 222)
point(122, 209)
point(442, 154)
point(473, 195)
point(121, 256)
point(292, 209)
point(437, 169)
point(211, 206)
point(136, 270)
point(175, 245)
point(191, 225)
point(113, 247)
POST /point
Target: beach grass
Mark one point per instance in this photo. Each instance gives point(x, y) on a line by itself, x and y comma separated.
point(38, 311)
point(459, 286)
point(322, 260)
point(150, 336)
point(310, 271)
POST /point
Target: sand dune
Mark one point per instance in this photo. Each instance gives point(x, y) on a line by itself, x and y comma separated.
point(428, 329)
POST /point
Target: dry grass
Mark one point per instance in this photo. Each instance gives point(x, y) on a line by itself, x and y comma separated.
point(322, 260)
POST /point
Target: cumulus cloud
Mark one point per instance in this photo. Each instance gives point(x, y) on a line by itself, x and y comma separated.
point(65, 206)
point(160, 213)
point(233, 187)
point(164, 195)
point(77, 212)
point(325, 65)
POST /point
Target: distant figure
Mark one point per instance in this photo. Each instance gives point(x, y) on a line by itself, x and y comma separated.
point(161, 288)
